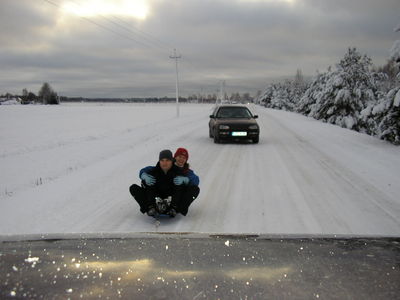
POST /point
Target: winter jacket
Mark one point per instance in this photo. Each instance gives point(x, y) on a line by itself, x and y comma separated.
point(193, 178)
point(164, 185)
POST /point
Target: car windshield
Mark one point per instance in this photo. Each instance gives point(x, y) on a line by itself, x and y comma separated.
point(233, 112)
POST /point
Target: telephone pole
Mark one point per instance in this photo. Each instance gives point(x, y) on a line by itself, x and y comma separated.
point(177, 86)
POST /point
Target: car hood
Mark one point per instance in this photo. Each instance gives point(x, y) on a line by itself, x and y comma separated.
point(236, 121)
point(197, 266)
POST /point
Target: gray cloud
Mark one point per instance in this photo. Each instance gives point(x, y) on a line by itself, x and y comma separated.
point(246, 43)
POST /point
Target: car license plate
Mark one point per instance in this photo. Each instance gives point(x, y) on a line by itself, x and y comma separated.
point(239, 133)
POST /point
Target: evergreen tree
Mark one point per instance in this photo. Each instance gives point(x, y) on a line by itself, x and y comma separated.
point(348, 90)
point(31, 97)
point(383, 118)
point(265, 98)
point(395, 51)
point(313, 94)
point(388, 72)
point(24, 96)
point(281, 98)
point(47, 94)
point(389, 125)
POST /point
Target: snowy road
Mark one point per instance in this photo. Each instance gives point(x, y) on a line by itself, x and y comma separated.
point(67, 169)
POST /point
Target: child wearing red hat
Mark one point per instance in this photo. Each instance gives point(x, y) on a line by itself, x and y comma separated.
point(189, 182)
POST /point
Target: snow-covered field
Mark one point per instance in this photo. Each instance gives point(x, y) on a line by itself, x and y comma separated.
point(67, 169)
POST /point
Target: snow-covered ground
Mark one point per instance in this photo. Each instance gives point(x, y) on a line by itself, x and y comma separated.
point(67, 169)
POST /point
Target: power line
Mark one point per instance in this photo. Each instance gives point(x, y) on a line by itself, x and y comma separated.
point(152, 41)
point(106, 27)
point(161, 43)
point(136, 31)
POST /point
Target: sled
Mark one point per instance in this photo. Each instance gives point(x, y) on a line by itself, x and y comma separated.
point(162, 216)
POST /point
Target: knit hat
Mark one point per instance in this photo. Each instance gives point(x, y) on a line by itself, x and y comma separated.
point(183, 152)
point(166, 154)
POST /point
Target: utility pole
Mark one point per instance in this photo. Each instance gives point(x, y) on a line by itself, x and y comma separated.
point(222, 92)
point(177, 86)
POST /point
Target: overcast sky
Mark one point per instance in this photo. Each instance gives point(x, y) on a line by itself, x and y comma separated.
point(116, 48)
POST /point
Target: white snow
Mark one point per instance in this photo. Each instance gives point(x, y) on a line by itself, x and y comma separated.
point(349, 122)
point(396, 101)
point(67, 169)
point(395, 51)
point(10, 102)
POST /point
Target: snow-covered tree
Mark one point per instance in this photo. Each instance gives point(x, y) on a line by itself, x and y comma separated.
point(389, 125)
point(265, 97)
point(352, 95)
point(284, 95)
point(313, 94)
point(281, 96)
point(276, 96)
point(347, 91)
point(395, 50)
point(388, 73)
point(384, 117)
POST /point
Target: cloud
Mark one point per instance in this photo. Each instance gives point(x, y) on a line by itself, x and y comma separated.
point(246, 43)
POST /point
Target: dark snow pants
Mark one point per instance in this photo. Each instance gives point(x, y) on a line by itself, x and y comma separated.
point(139, 193)
point(187, 194)
point(181, 199)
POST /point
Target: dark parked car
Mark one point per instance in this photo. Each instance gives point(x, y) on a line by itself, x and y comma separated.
point(233, 122)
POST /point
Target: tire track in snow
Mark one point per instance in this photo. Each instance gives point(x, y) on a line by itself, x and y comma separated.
point(285, 184)
point(340, 200)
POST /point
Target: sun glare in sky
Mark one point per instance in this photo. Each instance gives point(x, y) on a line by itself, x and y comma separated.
point(92, 8)
point(285, 1)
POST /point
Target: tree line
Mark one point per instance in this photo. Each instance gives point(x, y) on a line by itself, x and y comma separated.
point(214, 98)
point(46, 95)
point(353, 95)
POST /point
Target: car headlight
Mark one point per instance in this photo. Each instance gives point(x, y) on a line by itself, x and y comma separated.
point(223, 127)
point(253, 127)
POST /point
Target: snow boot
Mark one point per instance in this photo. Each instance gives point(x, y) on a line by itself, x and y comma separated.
point(172, 212)
point(152, 212)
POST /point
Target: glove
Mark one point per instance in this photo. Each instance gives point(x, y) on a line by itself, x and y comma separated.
point(178, 180)
point(148, 179)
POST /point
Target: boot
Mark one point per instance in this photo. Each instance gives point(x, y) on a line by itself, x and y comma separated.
point(172, 212)
point(152, 212)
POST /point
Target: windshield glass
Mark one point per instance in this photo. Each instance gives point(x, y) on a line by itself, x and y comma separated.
point(233, 112)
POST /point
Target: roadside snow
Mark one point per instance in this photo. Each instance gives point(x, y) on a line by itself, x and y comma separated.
point(10, 102)
point(396, 101)
point(67, 169)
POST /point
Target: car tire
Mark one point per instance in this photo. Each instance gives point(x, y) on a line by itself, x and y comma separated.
point(255, 140)
point(210, 133)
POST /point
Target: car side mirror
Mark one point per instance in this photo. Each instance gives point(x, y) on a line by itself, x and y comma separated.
point(255, 116)
point(212, 116)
